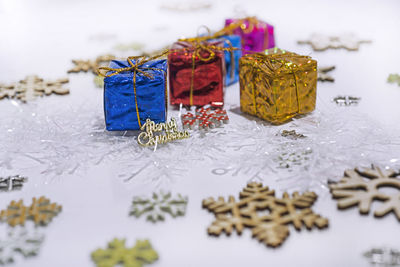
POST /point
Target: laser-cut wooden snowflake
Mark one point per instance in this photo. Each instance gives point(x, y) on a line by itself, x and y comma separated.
point(320, 42)
point(346, 100)
point(205, 118)
point(271, 229)
point(19, 242)
point(360, 187)
point(11, 183)
point(32, 87)
point(394, 78)
point(323, 74)
point(41, 212)
point(158, 205)
point(117, 254)
point(90, 65)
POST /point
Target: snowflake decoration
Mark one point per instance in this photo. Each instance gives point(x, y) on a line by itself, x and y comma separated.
point(90, 65)
point(32, 87)
point(287, 160)
point(346, 100)
point(205, 118)
point(323, 74)
point(394, 78)
point(292, 134)
point(271, 229)
point(41, 211)
point(361, 187)
point(321, 42)
point(158, 205)
point(12, 183)
point(383, 257)
point(117, 254)
point(19, 242)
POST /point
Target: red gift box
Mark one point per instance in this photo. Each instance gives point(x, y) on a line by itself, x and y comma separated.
point(196, 72)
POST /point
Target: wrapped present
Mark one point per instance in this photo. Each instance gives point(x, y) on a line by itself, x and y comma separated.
point(134, 90)
point(256, 35)
point(277, 85)
point(196, 72)
point(231, 57)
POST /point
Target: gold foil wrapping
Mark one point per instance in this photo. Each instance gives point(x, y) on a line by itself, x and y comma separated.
point(278, 85)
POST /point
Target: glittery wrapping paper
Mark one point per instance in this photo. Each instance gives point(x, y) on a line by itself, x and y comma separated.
point(277, 85)
point(259, 39)
point(207, 79)
point(119, 97)
point(231, 70)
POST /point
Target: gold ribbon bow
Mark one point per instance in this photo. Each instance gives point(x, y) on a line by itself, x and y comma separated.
point(198, 45)
point(136, 68)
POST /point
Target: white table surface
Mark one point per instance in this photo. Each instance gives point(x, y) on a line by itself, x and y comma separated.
point(50, 140)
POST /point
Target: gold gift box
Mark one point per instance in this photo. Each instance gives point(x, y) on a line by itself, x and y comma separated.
point(277, 85)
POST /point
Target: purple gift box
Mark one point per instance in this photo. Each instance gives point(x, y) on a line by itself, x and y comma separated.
point(256, 35)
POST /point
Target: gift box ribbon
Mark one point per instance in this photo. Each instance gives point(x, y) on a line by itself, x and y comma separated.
point(198, 45)
point(290, 67)
point(136, 68)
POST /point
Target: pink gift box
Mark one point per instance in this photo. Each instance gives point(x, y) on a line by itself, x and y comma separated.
point(256, 35)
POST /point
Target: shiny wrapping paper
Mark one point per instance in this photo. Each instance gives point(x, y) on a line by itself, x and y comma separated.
point(231, 67)
point(256, 35)
point(151, 95)
point(207, 77)
point(277, 85)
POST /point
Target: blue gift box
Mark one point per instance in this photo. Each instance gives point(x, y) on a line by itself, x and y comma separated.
point(122, 108)
point(232, 70)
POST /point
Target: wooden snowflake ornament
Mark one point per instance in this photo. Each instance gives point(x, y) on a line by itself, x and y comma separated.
point(249, 212)
point(320, 42)
point(323, 74)
point(32, 87)
point(41, 212)
point(12, 183)
point(360, 187)
point(90, 65)
point(117, 254)
point(158, 206)
point(346, 100)
point(205, 118)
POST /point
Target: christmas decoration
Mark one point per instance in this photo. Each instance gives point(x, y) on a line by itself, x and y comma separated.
point(196, 74)
point(127, 106)
point(323, 76)
point(98, 81)
point(158, 205)
point(19, 242)
point(278, 85)
point(32, 87)
point(321, 42)
point(231, 57)
point(394, 78)
point(90, 65)
point(287, 160)
point(256, 35)
point(148, 138)
point(12, 183)
point(292, 134)
point(41, 212)
point(205, 118)
point(383, 257)
point(361, 187)
point(117, 254)
point(136, 46)
point(346, 100)
point(183, 6)
point(271, 229)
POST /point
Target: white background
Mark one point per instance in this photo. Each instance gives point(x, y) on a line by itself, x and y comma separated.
point(41, 37)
